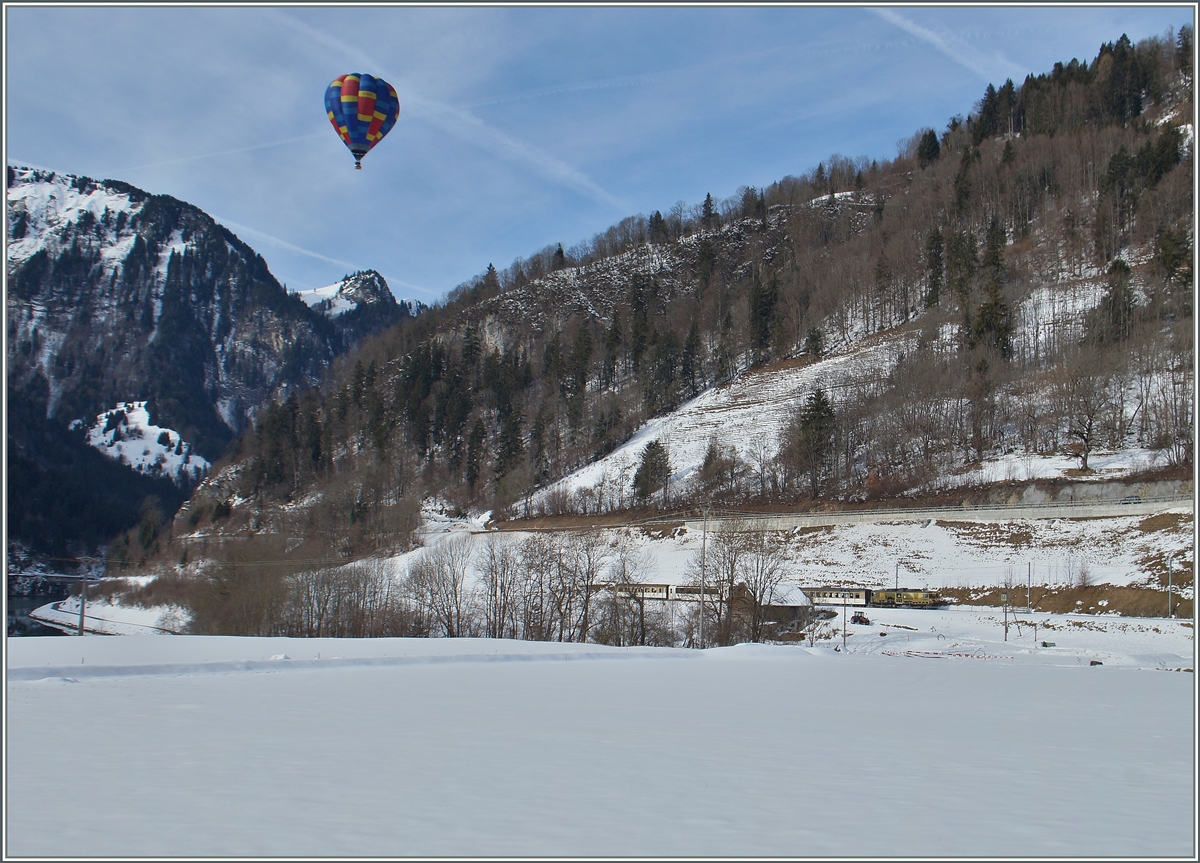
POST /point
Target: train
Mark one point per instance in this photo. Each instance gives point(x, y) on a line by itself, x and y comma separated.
point(858, 596)
point(887, 598)
point(666, 592)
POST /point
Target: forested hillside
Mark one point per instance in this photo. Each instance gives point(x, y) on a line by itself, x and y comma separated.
point(1037, 253)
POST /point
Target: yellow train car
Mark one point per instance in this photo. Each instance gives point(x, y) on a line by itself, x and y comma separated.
point(906, 598)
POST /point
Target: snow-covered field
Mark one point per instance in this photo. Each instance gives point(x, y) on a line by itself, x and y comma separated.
point(939, 739)
point(945, 552)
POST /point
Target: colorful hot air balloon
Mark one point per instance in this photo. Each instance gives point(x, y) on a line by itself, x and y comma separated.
point(362, 110)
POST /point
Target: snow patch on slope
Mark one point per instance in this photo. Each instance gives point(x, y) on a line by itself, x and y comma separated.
point(126, 434)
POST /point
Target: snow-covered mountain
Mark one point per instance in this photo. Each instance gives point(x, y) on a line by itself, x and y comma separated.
point(354, 292)
point(116, 295)
point(359, 305)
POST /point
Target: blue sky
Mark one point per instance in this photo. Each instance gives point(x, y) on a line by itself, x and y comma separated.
point(519, 127)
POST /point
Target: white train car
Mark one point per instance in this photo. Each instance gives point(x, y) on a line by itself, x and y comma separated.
point(663, 592)
point(838, 595)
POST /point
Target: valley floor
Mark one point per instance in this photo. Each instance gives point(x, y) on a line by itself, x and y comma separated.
point(938, 738)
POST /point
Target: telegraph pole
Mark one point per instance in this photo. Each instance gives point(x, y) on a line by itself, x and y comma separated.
point(844, 619)
point(1169, 603)
point(703, 544)
point(83, 599)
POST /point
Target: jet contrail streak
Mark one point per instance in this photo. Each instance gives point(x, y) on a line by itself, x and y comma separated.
point(221, 153)
point(282, 243)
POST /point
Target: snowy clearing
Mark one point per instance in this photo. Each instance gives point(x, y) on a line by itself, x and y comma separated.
point(126, 434)
point(398, 747)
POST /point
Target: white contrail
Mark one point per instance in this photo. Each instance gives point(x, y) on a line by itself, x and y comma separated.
point(958, 55)
point(410, 286)
point(466, 125)
point(246, 229)
point(281, 243)
point(221, 153)
point(582, 87)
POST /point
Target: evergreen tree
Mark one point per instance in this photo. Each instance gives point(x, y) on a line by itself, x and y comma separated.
point(763, 300)
point(653, 472)
point(1009, 154)
point(612, 347)
point(708, 216)
point(658, 228)
point(811, 442)
point(814, 342)
point(961, 264)
point(491, 280)
point(993, 325)
point(472, 347)
point(639, 323)
point(509, 447)
point(928, 149)
point(993, 252)
point(724, 360)
point(691, 360)
point(475, 452)
point(962, 180)
point(1112, 321)
point(935, 267)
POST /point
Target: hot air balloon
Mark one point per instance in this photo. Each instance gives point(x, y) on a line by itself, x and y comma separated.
point(362, 109)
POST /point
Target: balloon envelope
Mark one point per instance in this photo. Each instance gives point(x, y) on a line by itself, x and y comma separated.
point(362, 109)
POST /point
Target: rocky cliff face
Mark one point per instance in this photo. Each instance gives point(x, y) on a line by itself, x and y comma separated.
point(117, 295)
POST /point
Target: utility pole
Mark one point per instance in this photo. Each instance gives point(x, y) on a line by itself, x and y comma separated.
point(1004, 600)
point(844, 619)
point(1169, 603)
point(703, 545)
point(82, 600)
point(1029, 587)
point(897, 580)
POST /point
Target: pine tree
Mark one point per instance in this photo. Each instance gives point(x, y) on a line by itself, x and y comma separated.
point(612, 346)
point(935, 267)
point(691, 360)
point(928, 149)
point(658, 228)
point(763, 300)
point(475, 452)
point(491, 280)
point(509, 447)
point(654, 470)
point(814, 443)
point(1112, 321)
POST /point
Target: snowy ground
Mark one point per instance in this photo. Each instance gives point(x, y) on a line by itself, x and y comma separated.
point(948, 553)
point(104, 617)
point(941, 739)
point(941, 553)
